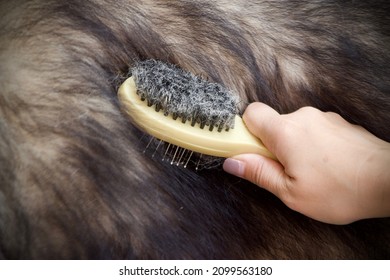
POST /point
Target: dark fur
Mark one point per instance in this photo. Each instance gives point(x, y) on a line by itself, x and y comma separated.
point(74, 182)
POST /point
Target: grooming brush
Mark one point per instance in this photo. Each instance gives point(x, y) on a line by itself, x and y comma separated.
point(187, 111)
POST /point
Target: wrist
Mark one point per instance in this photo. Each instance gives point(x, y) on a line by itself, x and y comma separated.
point(376, 197)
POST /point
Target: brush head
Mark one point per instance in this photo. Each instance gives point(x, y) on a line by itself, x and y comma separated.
point(184, 95)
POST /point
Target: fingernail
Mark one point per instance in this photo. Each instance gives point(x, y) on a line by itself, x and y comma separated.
point(234, 167)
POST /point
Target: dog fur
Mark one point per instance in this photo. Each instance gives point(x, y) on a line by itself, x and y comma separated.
point(74, 181)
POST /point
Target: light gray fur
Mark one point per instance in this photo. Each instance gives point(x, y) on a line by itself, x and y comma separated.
point(185, 95)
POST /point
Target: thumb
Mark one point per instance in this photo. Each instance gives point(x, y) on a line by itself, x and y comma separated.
point(259, 170)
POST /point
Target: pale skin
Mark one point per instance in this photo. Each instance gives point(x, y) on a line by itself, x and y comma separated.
point(327, 169)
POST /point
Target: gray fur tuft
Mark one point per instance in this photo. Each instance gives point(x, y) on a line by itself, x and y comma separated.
point(185, 95)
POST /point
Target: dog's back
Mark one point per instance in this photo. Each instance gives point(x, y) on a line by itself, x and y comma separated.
point(74, 181)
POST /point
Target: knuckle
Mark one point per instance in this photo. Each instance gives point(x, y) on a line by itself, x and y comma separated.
point(258, 175)
point(309, 110)
point(309, 113)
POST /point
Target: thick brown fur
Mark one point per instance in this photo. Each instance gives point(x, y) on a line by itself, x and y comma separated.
point(74, 181)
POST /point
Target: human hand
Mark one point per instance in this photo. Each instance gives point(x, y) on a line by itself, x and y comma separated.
point(328, 169)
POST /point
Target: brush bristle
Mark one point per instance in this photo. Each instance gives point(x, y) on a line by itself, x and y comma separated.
point(184, 95)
